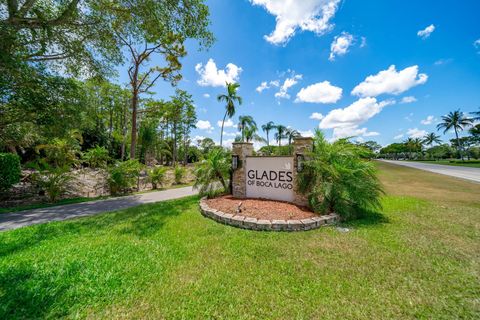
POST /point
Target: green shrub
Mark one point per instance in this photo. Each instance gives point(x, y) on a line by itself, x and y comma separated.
point(157, 176)
point(336, 179)
point(123, 176)
point(179, 174)
point(212, 173)
point(96, 157)
point(10, 171)
point(53, 181)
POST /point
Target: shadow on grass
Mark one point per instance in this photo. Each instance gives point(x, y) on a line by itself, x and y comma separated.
point(26, 296)
point(142, 221)
point(367, 218)
point(29, 289)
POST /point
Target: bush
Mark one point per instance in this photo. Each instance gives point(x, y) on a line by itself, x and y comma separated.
point(96, 157)
point(53, 181)
point(157, 176)
point(179, 174)
point(123, 176)
point(10, 171)
point(213, 172)
point(336, 179)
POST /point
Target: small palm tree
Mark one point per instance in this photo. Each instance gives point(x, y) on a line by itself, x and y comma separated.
point(267, 128)
point(290, 134)
point(251, 135)
point(431, 138)
point(336, 178)
point(280, 134)
point(246, 122)
point(476, 114)
point(230, 99)
point(214, 169)
point(457, 121)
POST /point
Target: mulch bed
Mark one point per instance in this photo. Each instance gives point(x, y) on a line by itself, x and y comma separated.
point(260, 208)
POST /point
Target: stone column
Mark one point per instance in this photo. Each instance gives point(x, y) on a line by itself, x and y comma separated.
point(301, 146)
point(242, 150)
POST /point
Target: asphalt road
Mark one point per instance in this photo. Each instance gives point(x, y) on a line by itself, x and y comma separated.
point(20, 219)
point(472, 174)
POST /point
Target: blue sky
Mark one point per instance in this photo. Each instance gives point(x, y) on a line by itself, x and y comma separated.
point(314, 57)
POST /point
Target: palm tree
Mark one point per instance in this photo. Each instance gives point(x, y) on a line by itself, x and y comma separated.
point(246, 122)
point(431, 138)
point(336, 178)
point(266, 128)
point(280, 134)
point(457, 121)
point(290, 134)
point(251, 135)
point(230, 99)
point(477, 114)
point(413, 145)
point(211, 171)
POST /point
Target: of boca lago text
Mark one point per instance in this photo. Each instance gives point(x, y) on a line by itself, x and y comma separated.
point(270, 179)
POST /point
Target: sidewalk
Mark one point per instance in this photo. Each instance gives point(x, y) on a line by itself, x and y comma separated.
point(14, 220)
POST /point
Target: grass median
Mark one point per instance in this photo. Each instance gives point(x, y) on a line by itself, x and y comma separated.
point(418, 258)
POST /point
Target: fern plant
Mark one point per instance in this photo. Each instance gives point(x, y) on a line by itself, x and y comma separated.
point(157, 176)
point(179, 174)
point(337, 177)
point(96, 157)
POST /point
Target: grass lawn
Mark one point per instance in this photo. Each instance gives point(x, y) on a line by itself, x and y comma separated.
point(418, 258)
point(448, 163)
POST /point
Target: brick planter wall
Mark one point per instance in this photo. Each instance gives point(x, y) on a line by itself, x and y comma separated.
point(243, 222)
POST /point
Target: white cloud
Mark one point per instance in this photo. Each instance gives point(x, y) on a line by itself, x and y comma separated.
point(440, 62)
point(230, 134)
point(306, 15)
point(355, 114)
point(211, 76)
point(345, 122)
point(409, 117)
point(340, 45)
point(197, 138)
point(307, 133)
point(408, 99)
point(416, 133)
point(345, 132)
point(428, 120)
point(321, 92)
point(204, 125)
point(476, 44)
point(398, 136)
point(425, 33)
point(316, 116)
point(390, 81)
point(267, 85)
point(262, 86)
point(363, 42)
point(206, 95)
point(287, 84)
point(228, 123)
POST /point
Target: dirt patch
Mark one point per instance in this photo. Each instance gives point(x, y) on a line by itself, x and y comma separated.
point(260, 209)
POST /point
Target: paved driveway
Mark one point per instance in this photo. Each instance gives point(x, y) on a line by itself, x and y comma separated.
point(20, 219)
point(472, 174)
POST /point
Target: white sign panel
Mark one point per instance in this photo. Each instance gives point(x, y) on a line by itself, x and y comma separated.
point(270, 178)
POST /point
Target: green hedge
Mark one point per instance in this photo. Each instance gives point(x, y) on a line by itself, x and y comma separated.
point(9, 170)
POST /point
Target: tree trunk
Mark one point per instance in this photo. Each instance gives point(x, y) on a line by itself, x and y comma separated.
point(221, 133)
point(174, 154)
point(124, 132)
point(458, 145)
point(133, 144)
point(185, 158)
point(268, 140)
